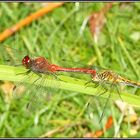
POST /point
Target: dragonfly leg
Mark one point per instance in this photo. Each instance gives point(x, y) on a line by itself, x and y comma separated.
point(53, 74)
point(86, 84)
point(96, 85)
point(56, 76)
point(103, 92)
point(39, 74)
point(118, 92)
point(27, 72)
point(102, 84)
point(105, 107)
point(107, 101)
point(36, 80)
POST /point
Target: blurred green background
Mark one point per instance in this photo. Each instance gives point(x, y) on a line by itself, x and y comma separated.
point(58, 35)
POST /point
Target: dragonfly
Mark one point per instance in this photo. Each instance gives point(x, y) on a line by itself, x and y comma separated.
point(111, 77)
point(106, 77)
point(41, 66)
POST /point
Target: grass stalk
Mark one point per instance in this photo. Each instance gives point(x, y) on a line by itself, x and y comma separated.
point(10, 73)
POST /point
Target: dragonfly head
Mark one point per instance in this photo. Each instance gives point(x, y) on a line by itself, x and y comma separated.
point(26, 61)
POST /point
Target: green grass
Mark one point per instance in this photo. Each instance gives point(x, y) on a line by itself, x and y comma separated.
point(9, 73)
point(56, 36)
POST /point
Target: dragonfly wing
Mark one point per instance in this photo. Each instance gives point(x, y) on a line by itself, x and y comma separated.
point(42, 94)
point(21, 86)
point(11, 56)
point(118, 91)
point(110, 89)
point(36, 93)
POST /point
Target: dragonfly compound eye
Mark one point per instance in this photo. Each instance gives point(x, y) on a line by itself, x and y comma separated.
point(25, 61)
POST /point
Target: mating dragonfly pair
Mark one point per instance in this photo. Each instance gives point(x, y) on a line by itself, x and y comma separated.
point(41, 66)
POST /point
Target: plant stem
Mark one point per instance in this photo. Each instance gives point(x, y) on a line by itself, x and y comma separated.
point(10, 73)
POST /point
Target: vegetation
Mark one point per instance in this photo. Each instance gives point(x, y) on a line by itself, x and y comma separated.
point(73, 110)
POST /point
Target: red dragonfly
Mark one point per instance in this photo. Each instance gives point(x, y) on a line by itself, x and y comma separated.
point(41, 66)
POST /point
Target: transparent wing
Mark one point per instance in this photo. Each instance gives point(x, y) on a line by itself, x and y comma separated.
point(69, 64)
point(107, 87)
point(11, 56)
point(35, 94)
point(41, 94)
point(74, 64)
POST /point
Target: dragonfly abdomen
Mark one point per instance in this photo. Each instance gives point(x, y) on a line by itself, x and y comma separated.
point(129, 82)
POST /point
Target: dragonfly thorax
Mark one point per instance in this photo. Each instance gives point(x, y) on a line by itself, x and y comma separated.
point(96, 78)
